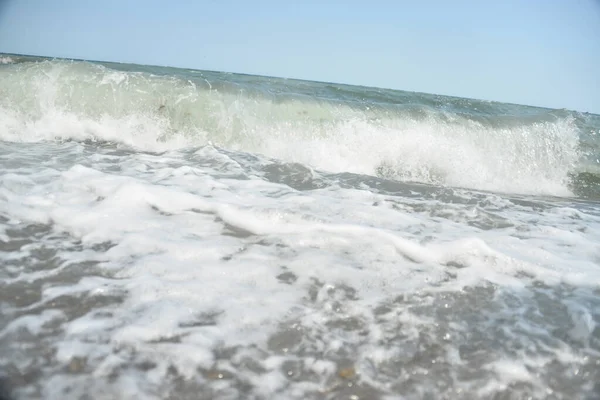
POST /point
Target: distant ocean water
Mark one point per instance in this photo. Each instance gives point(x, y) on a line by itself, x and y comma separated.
point(179, 234)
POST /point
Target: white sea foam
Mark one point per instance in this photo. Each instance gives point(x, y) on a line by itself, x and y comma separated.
point(184, 240)
point(201, 265)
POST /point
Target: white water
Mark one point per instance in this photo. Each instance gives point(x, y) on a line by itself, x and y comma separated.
point(278, 262)
point(196, 257)
point(87, 102)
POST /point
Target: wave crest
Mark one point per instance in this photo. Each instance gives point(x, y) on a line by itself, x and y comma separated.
point(408, 142)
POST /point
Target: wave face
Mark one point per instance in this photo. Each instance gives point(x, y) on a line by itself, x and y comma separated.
point(335, 128)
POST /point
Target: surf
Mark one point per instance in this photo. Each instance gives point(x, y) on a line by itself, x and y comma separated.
point(402, 136)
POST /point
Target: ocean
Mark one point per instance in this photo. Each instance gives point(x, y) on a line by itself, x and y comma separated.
point(180, 234)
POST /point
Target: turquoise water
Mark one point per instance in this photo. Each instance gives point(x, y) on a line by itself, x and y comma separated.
point(174, 233)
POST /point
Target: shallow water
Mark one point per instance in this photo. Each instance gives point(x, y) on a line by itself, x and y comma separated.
point(446, 249)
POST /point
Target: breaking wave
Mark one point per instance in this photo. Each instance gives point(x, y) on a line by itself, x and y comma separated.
point(395, 135)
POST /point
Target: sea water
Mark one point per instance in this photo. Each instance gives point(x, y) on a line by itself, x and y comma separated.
point(181, 234)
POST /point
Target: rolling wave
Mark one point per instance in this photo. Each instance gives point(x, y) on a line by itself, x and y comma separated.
point(396, 135)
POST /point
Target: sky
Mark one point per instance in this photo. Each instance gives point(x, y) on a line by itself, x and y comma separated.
point(534, 52)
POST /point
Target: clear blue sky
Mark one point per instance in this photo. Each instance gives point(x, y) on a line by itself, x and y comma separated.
point(538, 52)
